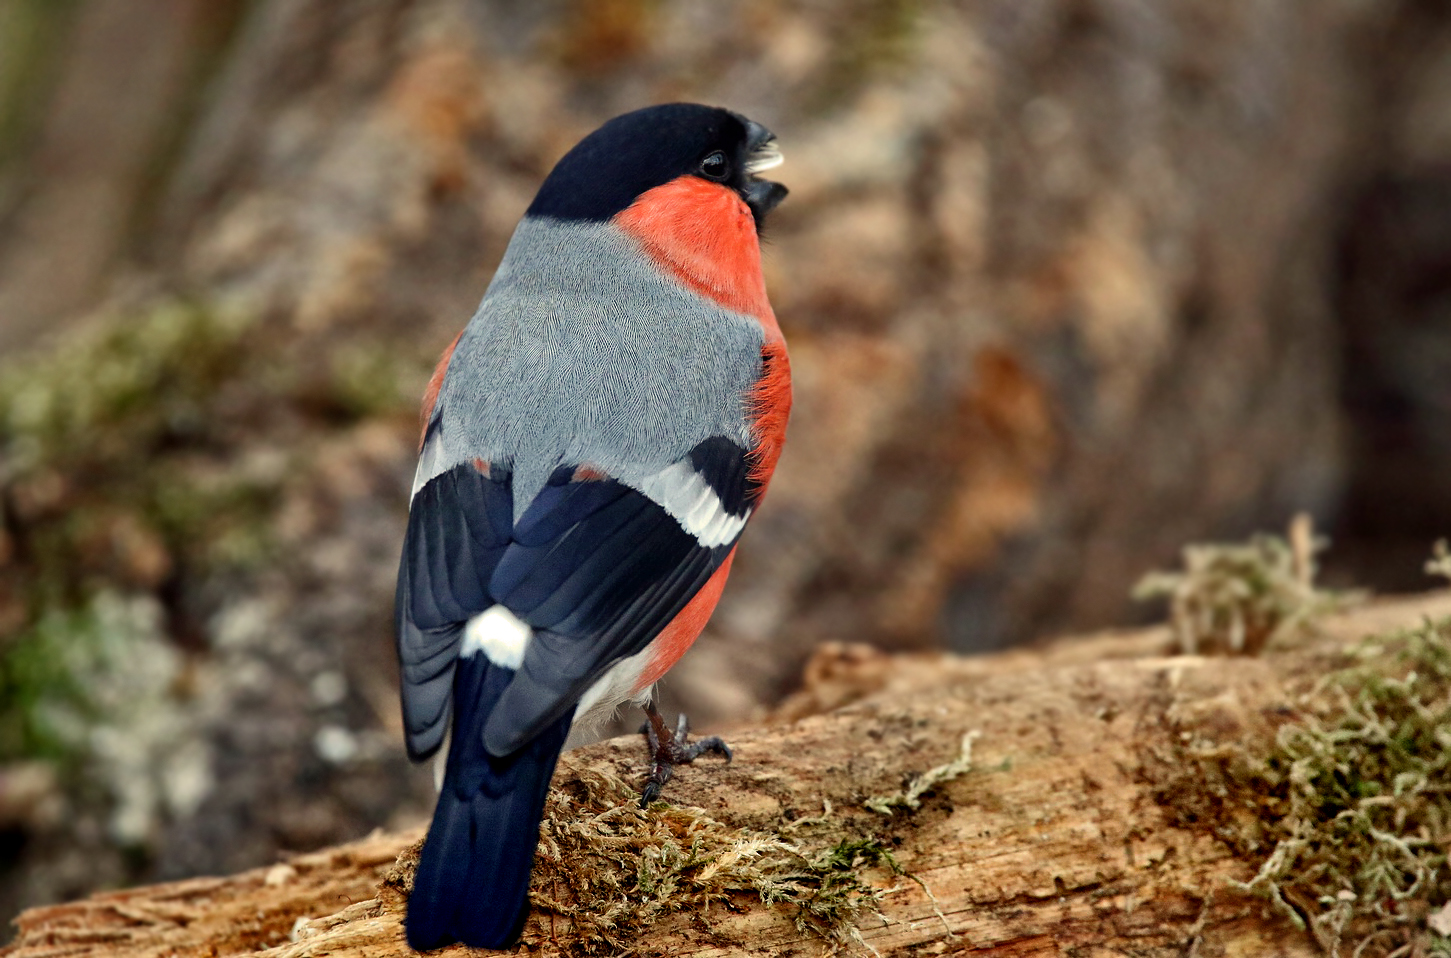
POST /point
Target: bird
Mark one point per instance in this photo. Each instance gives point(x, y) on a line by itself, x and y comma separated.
point(593, 444)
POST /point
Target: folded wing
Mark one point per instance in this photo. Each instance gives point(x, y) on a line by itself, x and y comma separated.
point(596, 567)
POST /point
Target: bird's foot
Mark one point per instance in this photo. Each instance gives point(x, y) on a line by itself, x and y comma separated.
point(668, 751)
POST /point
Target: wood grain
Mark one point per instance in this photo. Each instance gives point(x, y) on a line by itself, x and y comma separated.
point(1060, 841)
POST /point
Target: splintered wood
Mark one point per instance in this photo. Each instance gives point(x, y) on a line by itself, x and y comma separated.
point(1060, 840)
point(238, 915)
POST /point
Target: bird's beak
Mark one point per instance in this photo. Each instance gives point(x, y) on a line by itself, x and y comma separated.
point(762, 154)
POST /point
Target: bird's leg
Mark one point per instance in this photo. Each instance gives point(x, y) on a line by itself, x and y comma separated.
point(668, 751)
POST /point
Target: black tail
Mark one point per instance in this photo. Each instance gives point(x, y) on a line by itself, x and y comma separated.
point(472, 883)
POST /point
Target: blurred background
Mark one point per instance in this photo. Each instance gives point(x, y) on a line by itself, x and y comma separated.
point(1067, 283)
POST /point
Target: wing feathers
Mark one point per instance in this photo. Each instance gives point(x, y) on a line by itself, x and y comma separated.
point(562, 504)
point(596, 567)
point(453, 542)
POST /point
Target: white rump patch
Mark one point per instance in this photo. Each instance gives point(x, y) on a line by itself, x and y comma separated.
point(691, 501)
point(498, 633)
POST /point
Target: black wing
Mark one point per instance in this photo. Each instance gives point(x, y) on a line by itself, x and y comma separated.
point(459, 525)
point(595, 567)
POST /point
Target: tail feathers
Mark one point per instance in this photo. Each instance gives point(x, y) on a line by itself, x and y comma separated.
point(472, 883)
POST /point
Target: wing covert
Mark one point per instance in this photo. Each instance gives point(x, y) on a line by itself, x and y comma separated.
point(596, 567)
point(600, 588)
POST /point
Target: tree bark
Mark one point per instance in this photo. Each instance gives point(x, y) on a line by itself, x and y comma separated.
point(1060, 840)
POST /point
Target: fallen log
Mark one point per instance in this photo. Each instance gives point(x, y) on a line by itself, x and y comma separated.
point(1028, 803)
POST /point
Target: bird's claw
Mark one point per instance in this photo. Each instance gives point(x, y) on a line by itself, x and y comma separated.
point(668, 751)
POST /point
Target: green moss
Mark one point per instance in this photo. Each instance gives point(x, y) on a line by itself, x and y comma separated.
point(836, 898)
point(1360, 793)
point(611, 869)
point(76, 668)
point(115, 480)
point(112, 385)
point(1348, 810)
point(1243, 597)
point(98, 691)
point(148, 454)
point(157, 444)
point(367, 379)
point(115, 453)
point(35, 678)
point(143, 464)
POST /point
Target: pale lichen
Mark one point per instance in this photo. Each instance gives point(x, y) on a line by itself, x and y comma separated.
point(911, 796)
point(1348, 808)
point(95, 689)
point(1241, 598)
point(610, 869)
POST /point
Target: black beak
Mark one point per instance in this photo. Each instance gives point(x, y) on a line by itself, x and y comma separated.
point(758, 138)
point(762, 196)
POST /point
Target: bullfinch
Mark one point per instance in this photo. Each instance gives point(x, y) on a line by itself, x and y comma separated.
point(594, 442)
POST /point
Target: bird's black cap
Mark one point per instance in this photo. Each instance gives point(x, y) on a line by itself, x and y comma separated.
point(639, 151)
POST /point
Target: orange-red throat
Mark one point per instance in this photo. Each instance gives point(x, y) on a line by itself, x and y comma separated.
point(704, 235)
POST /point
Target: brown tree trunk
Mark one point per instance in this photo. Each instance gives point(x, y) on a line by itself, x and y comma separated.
point(1062, 838)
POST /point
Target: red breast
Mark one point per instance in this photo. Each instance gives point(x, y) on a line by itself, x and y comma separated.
point(704, 235)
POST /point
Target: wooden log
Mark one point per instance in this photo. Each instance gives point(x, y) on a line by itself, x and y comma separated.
point(1061, 838)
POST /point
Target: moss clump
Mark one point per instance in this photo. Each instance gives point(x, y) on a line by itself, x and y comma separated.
point(367, 379)
point(1242, 597)
point(157, 444)
point(611, 869)
point(137, 378)
point(1360, 791)
point(114, 485)
point(1349, 808)
point(35, 678)
point(146, 458)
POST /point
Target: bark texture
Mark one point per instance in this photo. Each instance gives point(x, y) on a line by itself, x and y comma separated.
point(1064, 838)
point(1060, 277)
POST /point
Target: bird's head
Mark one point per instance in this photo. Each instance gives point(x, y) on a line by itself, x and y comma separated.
point(682, 182)
point(615, 166)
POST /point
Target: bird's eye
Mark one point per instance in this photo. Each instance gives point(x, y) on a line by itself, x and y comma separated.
point(715, 166)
